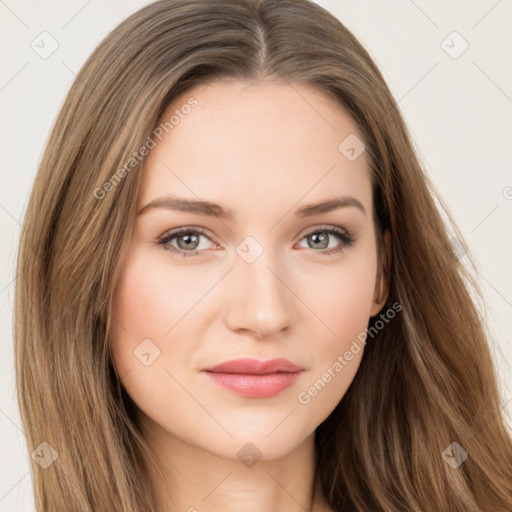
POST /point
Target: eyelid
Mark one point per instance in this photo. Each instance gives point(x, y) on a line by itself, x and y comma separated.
point(185, 229)
point(324, 227)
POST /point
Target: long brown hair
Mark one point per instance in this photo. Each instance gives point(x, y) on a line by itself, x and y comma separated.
point(425, 381)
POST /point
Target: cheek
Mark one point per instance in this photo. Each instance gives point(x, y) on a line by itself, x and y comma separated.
point(148, 317)
point(152, 297)
point(153, 306)
point(145, 307)
point(341, 300)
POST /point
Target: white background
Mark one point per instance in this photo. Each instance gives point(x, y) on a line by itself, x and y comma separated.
point(458, 111)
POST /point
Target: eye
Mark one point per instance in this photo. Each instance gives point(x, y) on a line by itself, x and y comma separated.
point(187, 239)
point(319, 238)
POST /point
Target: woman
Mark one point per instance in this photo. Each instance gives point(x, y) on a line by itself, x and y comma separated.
point(246, 296)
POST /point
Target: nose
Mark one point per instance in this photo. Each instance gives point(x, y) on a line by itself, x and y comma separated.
point(261, 302)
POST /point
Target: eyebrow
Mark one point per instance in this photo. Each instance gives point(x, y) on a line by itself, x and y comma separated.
point(215, 210)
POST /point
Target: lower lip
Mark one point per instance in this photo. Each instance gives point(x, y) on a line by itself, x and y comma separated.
point(255, 386)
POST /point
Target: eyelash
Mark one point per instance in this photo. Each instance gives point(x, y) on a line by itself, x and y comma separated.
point(347, 240)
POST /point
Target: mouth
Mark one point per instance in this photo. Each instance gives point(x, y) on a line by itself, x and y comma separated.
point(255, 379)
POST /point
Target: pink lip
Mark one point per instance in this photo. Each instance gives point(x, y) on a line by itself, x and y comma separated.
point(253, 378)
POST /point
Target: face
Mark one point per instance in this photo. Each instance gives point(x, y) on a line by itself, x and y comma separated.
point(254, 273)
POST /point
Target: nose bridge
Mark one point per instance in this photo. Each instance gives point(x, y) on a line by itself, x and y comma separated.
point(262, 302)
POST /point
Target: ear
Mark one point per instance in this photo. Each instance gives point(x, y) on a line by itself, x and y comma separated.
point(381, 291)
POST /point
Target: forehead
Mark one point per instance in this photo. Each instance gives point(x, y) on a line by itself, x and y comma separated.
point(261, 143)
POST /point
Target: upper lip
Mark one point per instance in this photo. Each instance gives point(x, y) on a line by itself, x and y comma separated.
point(255, 367)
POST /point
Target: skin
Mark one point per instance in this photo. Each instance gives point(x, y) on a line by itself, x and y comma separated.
point(262, 149)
